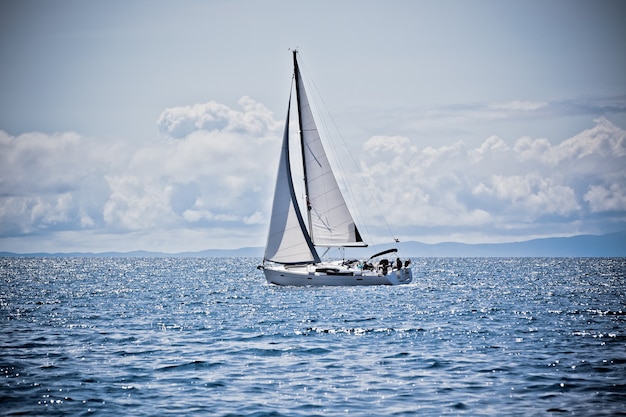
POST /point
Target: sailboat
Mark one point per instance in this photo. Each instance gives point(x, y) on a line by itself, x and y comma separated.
point(291, 254)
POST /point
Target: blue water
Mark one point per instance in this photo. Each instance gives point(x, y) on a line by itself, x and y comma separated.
point(144, 337)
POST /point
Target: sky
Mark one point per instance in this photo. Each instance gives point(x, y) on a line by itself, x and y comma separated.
point(156, 125)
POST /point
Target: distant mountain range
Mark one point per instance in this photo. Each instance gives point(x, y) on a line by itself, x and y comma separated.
point(609, 245)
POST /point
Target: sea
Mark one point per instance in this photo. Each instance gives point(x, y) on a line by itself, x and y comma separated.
point(209, 337)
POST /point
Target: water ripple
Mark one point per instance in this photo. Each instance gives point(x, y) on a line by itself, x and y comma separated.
point(153, 336)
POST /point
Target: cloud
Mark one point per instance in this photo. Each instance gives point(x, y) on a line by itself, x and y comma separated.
point(611, 197)
point(530, 196)
point(482, 112)
point(519, 106)
point(478, 120)
point(518, 109)
point(489, 149)
point(497, 186)
point(395, 144)
point(601, 141)
point(53, 182)
point(208, 182)
point(255, 119)
point(217, 172)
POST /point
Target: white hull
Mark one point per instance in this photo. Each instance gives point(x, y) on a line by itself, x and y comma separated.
point(337, 275)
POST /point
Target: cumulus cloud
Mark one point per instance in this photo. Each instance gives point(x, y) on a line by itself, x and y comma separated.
point(610, 197)
point(495, 185)
point(219, 171)
point(601, 141)
point(210, 176)
point(255, 119)
point(52, 182)
point(490, 148)
point(531, 195)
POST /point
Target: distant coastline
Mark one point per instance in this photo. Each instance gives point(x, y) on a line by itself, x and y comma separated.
point(608, 245)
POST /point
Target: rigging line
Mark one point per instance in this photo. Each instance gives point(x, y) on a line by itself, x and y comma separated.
point(365, 183)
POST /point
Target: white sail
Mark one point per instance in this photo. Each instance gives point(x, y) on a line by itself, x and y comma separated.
point(331, 223)
point(288, 241)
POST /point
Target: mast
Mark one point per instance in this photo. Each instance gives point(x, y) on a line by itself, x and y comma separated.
point(297, 77)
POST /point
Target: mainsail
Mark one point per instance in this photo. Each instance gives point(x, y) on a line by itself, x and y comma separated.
point(330, 221)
